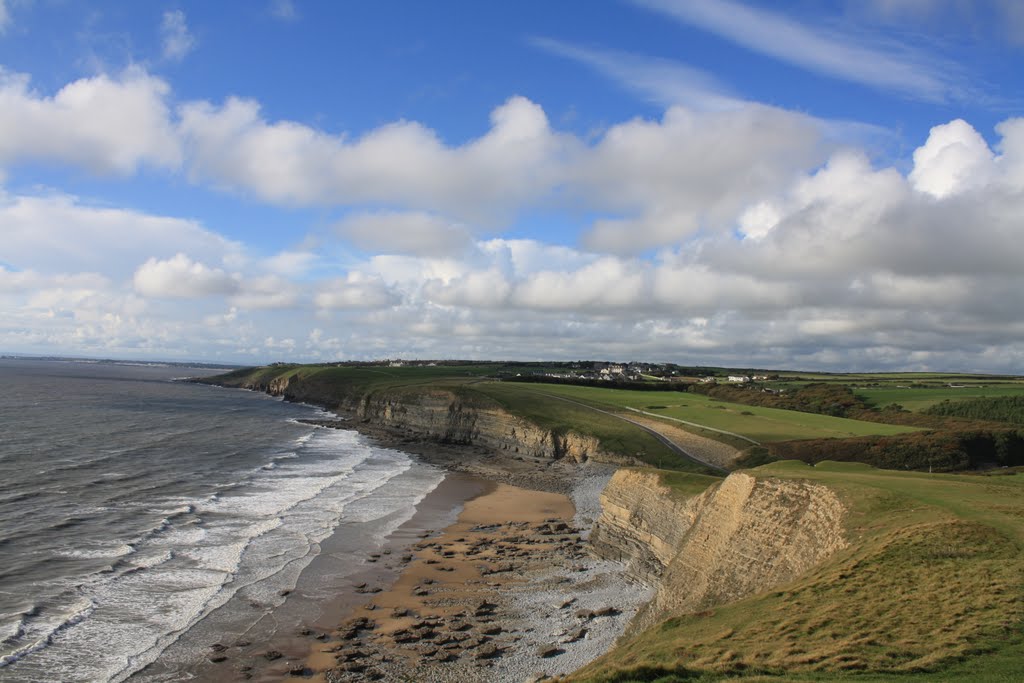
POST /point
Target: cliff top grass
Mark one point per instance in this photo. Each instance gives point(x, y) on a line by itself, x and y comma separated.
point(761, 424)
point(616, 436)
point(334, 384)
point(931, 588)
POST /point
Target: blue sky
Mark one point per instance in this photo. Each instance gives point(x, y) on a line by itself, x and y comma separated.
point(804, 184)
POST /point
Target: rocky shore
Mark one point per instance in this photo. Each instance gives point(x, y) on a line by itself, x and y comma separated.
point(508, 593)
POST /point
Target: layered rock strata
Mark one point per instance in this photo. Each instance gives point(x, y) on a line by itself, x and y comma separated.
point(442, 415)
point(740, 537)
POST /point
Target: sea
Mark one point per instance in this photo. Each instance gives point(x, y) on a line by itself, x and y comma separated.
point(141, 515)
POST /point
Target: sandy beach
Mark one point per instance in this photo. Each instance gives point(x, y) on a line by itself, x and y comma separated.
point(504, 591)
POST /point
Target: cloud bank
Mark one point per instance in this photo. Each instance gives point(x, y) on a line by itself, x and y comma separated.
point(742, 234)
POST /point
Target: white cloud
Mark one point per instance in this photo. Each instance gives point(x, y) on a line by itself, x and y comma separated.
point(291, 263)
point(267, 292)
point(176, 40)
point(108, 125)
point(404, 163)
point(818, 49)
point(54, 234)
point(663, 81)
point(181, 277)
point(5, 17)
point(356, 291)
point(411, 232)
point(690, 171)
point(954, 158)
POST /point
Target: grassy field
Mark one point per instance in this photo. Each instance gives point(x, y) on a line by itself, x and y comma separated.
point(932, 588)
point(760, 424)
point(917, 399)
point(615, 435)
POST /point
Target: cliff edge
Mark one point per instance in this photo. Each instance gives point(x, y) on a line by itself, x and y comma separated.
point(742, 536)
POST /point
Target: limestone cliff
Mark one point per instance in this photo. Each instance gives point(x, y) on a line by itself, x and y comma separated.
point(444, 416)
point(439, 415)
point(740, 537)
point(642, 523)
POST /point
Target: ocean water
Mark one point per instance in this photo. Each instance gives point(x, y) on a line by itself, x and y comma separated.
point(140, 515)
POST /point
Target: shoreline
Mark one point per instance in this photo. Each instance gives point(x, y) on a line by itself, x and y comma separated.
point(506, 593)
point(556, 607)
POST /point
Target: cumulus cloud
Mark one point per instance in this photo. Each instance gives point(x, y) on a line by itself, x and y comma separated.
point(105, 124)
point(954, 158)
point(356, 291)
point(410, 232)
point(691, 171)
point(181, 277)
point(175, 39)
point(59, 233)
point(404, 163)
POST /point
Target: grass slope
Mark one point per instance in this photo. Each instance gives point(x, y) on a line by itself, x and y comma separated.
point(760, 424)
point(932, 588)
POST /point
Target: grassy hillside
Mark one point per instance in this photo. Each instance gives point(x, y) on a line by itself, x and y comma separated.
point(758, 423)
point(932, 588)
point(801, 423)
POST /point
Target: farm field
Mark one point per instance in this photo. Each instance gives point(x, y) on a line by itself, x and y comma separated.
point(752, 422)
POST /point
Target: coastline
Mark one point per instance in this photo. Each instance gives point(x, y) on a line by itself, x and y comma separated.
point(512, 537)
point(506, 593)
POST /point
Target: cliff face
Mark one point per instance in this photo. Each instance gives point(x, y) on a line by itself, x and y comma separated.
point(738, 538)
point(441, 415)
point(642, 524)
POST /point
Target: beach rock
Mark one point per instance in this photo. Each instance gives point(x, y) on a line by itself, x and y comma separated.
point(549, 651)
point(303, 671)
point(217, 659)
point(492, 631)
point(271, 655)
point(606, 612)
point(488, 652)
point(574, 635)
point(568, 602)
point(218, 647)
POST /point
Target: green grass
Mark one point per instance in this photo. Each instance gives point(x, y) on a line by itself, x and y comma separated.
point(931, 589)
point(917, 399)
point(549, 412)
point(760, 424)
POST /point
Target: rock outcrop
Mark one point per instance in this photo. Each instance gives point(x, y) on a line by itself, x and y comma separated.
point(439, 415)
point(443, 416)
point(740, 537)
point(642, 523)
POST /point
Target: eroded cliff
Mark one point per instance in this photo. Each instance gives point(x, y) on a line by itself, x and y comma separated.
point(439, 415)
point(445, 416)
point(740, 537)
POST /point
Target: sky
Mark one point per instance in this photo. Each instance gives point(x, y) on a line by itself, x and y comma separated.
point(816, 185)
